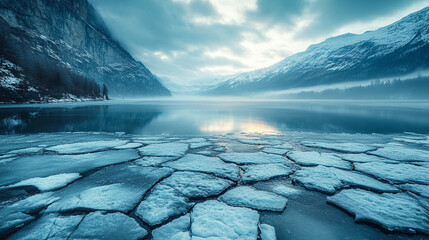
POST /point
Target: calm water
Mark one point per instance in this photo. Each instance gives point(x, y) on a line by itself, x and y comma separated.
point(209, 117)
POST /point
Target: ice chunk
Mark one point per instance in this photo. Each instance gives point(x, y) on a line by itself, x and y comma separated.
point(259, 142)
point(46, 165)
point(114, 188)
point(48, 183)
point(261, 172)
point(400, 152)
point(215, 220)
point(211, 165)
point(200, 144)
point(18, 213)
point(129, 145)
point(341, 147)
point(268, 232)
point(162, 203)
point(252, 158)
point(153, 161)
point(112, 226)
point(86, 147)
point(284, 190)
point(206, 153)
point(279, 151)
point(395, 212)
point(165, 149)
point(26, 150)
point(397, 173)
point(362, 157)
point(285, 146)
point(329, 179)
point(315, 158)
point(177, 229)
point(422, 190)
point(245, 196)
point(194, 184)
point(193, 140)
point(51, 226)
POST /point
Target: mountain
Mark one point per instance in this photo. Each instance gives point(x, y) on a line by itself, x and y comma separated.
point(397, 49)
point(70, 36)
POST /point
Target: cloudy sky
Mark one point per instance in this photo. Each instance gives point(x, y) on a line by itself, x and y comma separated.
point(187, 41)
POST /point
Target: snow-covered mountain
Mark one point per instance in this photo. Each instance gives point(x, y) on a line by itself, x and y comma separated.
point(397, 49)
point(72, 35)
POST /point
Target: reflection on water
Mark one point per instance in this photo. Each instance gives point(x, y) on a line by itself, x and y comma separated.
point(204, 118)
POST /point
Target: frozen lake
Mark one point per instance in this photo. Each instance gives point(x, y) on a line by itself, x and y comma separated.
point(231, 170)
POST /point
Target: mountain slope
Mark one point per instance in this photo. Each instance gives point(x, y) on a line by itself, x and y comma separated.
point(397, 49)
point(71, 34)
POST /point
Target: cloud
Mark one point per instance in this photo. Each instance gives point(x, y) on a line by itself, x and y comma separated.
point(188, 40)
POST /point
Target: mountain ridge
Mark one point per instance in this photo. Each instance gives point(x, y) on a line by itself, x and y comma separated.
point(398, 48)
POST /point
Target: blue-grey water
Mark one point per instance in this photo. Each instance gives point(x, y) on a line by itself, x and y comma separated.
point(210, 117)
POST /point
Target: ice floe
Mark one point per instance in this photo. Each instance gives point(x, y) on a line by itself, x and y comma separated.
point(279, 151)
point(194, 184)
point(211, 165)
point(284, 190)
point(98, 225)
point(215, 220)
point(162, 203)
point(153, 161)
point(48, 183)
point(114, 188)
point(401, 152)
point(268, 232)
point(260, 172)
point(252, 158)
point(165, 149)
point(362, 157)
point(86, 147)
point(129, 145)
point(397, 173)
point(18, 213)
point(422, 190)
point(26, 150)
point(47, 165)
point(245, 196)
point(348, 147)
point(178, 229)
point(393, 211)
point(316, 158)
point(329, 180)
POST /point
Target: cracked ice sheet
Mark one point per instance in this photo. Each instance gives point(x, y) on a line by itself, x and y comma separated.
point(315, 158)
point(177, 229)
point(17, 213)
point(200, 163)
point(46, 165)
point(341, 147)
point(165, 149)
point(268, 232)
point(86, 147)
point(48, 183)
point(245, 196)
point(397, 173)
point(329, 180)
point(401, 152)
point(153, 161)
point(114, 188)
point(98, 225)
point(278, 151)
point(194, 184)
point(162, 203)
point(129, 145)
point(26, 150)
point(422, 190)
point(394, 212)
point(259, 141)
point(215, 220)
point(260, 172)
point(253, 158)
point(362, 157)
point(284, 190)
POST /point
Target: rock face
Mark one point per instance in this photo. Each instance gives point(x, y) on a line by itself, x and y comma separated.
point(391, 51)
point(70, 33)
